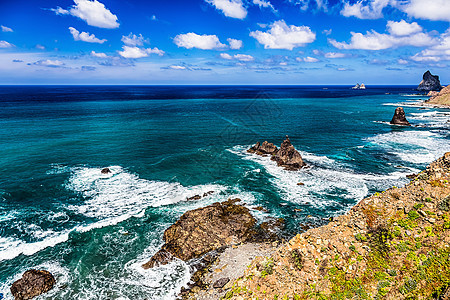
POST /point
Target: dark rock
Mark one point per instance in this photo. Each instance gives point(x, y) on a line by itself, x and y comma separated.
point(33, 283)
point(196, 197)
point(288, 157)
point(220, 283)
point(208, 193)
point(300, 183)
point(399, 117)
point(260, 208)
point(105, 171)
point(429, 83)
point(205, 229)
point(264, 149)
point(411, 176)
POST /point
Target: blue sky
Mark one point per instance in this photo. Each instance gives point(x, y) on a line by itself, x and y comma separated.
point(223, 41)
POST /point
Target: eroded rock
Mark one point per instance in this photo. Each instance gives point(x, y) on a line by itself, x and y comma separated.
point(429, 83)
point(399, 117)
point(205, 229)
point(288, 157)
point(33, 283)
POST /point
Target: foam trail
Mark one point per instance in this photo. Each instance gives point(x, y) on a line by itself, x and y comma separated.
point(108, 200)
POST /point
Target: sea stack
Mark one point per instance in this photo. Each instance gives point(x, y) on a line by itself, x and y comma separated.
point(399, 117)
point(32, 284)
point(429, 83)
point(287, 156)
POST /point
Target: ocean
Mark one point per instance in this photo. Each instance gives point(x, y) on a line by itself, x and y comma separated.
point(164, 144)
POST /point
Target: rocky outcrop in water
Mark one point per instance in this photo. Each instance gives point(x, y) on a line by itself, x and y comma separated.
point(105, 171)
point(205, 229)
point(399, 117)
point(265, 149)
point(429, 83)
point(286, 156)
point(32, 284)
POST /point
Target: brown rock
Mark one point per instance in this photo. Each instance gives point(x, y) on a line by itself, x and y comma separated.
point(399, 117)
point(205, 229)
point(264, 149)
point(33, 283)
point(105, 171)
point(196, 197)
point(288, 157)
point(220, 283)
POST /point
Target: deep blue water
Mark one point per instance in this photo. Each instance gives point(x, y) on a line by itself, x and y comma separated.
point(163, 144)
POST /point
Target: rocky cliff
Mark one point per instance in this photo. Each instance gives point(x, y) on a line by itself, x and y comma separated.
point(429, 83)
point(392, 245)
point(442, 98)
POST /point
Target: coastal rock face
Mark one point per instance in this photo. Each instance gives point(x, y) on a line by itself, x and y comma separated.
point(33, 283)
point(286, 156)
point(441, 98)
point(204, 229)
point(392, 245)
point(399, 117)
point(429, 83)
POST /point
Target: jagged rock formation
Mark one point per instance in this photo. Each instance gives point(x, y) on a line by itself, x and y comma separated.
point(205, 229)
point(392, 245)
point(286, 156)
point(399, 117)
point(32, 284)
point(429, 83)
point(441, 98)
point(265, 149)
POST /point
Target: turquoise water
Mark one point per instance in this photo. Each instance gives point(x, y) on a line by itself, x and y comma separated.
point(164, 144)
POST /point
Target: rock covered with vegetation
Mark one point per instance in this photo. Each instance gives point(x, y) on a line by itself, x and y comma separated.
point(392, 245)
point(442, 98)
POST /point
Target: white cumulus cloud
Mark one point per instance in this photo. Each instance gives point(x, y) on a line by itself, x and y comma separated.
point(6, 29)
point(234, 44)
point(5, 44)
point(136, 52)
point(307, 59)
point(49, 63)
point(403, 28)
point(93, 12)
point(192, 40)
point(436, 53)
point(283, 36)
point(134, 40)
point(435, 10)
point(373, 40)
point(85, 36)
point(230, 8)
point(99, 54)
point(365, 9)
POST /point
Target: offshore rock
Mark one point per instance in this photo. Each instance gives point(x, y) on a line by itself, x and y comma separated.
point(265, 149)
point(429, 83)
point(33, 283)
point(204, 229)
point(288, 157)
point(105, 171)
point(399, 117)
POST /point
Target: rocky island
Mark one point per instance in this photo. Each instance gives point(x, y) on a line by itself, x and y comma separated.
point(429, 83)
point(440, 99)
point(287, 156)
point(399, 117)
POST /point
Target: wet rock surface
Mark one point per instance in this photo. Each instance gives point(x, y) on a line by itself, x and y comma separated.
point(287, 156)
point(399, 117)
point(32, 284)
point(205, 229)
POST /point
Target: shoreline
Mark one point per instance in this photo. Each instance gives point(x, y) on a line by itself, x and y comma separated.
point(377, 236)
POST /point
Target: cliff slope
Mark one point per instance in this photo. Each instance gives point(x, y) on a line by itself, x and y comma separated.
point(392, 245)
point(442, 98)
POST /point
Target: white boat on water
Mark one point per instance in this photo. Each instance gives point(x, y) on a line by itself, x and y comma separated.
point(359, 87)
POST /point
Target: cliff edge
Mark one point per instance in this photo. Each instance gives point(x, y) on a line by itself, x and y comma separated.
point(442, 98)
point(392, 245)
